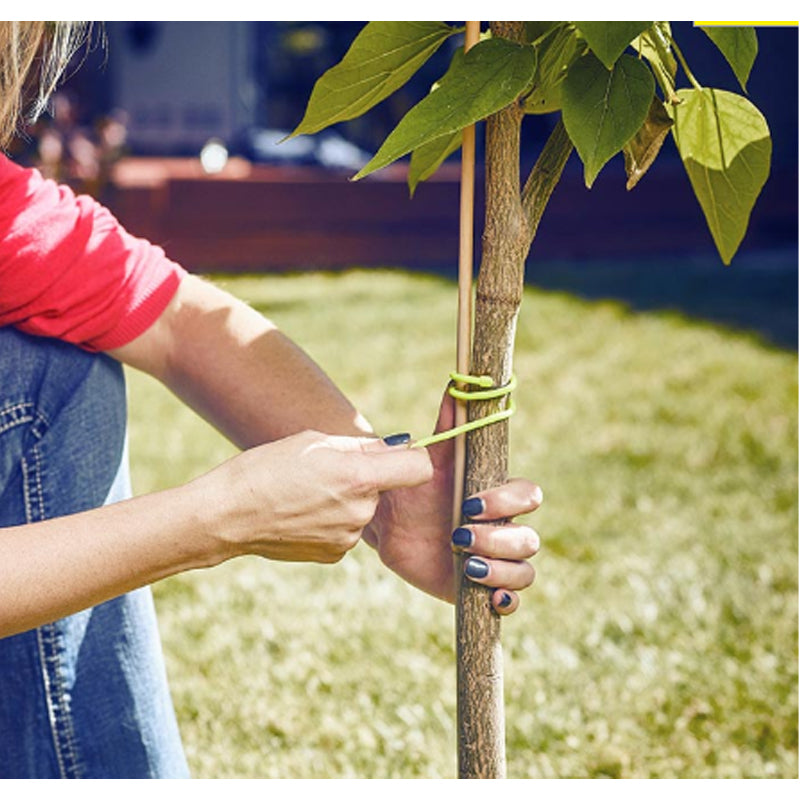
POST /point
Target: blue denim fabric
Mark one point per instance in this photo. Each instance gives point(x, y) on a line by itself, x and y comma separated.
point(85, 696)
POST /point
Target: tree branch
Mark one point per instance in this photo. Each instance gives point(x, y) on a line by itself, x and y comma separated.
point(544, 176)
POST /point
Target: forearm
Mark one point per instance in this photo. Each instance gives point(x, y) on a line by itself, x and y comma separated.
point(237, 370)
point(56, 567)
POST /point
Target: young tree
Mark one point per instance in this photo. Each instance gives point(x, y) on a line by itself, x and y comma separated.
point(612, 87)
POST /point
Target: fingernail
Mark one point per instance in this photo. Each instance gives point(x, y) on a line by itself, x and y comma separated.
point(397, 438)
point(476, 568)
point(462, 537)
point(472, 507)
point(505, 600)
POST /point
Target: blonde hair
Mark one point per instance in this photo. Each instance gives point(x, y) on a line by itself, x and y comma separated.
point(33, 57)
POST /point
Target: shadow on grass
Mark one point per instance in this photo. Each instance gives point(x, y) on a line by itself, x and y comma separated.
point(758, 293)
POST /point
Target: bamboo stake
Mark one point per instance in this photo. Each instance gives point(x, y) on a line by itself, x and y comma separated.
point(465, 268)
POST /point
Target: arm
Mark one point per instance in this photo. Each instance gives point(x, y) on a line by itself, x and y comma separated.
point(60, 566)
point(237, 370)
point(304, 498)
point(246, 378)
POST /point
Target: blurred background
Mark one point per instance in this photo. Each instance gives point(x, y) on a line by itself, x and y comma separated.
point(657, 408)
point(140, 109)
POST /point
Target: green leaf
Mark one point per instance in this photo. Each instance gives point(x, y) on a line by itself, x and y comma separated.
point(381, 59)
point(725, 145)
point(427, 158)
point(556, 51)
point(491, 75)
point(604, 109)
point(608, 40)
point(654, 45)
point(641, 151)
point(739, 45)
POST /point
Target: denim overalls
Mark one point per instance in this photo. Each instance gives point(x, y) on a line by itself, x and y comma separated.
point(85, 696)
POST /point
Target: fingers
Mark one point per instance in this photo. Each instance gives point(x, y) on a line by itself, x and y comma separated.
point(518, 496)
point(507, 542)
point(386, 464)
point(498, 553)
point(504, 601)
point(492, 572)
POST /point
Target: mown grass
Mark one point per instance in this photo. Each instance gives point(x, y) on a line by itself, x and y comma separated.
point(660, 639)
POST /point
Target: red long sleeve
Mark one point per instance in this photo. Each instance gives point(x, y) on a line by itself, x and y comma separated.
point(69, 270)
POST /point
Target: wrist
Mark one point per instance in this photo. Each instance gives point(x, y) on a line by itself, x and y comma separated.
point(210, 516)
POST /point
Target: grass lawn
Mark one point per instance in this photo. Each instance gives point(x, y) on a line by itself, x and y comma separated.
point(660, 639)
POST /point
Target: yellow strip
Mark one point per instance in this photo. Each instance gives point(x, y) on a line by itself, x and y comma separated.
point(760, 24)
point(486, 392)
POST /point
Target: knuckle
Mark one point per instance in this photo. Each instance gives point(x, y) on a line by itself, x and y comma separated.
point(364, 512)
point(530, 576)
point(522, 495)
point(309, 437)
point(530, 543)
point(339, 545)
point(349, 538)
point(536, 497)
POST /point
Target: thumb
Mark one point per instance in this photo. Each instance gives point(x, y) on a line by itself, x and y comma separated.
point(395, 468)
point(447, 414)
point(443, 453)
point(387, 467)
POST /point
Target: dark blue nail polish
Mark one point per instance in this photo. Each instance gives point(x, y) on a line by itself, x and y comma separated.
point(397, 438)
point(462, 537)
point(505, 600)
point(475, 568)
point(472, 507)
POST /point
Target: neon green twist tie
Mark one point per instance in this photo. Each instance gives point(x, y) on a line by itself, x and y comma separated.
point(486, 391)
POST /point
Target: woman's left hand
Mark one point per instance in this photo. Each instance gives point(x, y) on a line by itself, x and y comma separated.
point(412, 531)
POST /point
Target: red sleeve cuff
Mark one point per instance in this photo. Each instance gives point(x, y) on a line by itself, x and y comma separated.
point(152, 304)
point(69, 270)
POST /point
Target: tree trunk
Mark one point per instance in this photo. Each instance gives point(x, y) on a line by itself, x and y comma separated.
point(506, 240)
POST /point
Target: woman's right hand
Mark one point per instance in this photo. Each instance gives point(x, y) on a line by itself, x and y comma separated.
point(306, 497)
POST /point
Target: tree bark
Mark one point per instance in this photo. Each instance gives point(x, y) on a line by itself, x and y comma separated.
point(512, 219)
point(506, 239)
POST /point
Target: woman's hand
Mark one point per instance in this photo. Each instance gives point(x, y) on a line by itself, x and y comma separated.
point(306, 497)
point(413, 536)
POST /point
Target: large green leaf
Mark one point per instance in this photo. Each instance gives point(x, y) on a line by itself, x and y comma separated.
point(381, 59)
point(725, 145)
point(739, 45)
point(556, 51)
point(608, 40)
point(491, 75)
point(604, 109)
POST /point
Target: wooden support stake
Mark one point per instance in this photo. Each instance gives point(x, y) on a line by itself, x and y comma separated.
point(466, 245)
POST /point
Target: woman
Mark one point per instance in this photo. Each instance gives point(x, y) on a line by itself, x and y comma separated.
point(83, 686)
